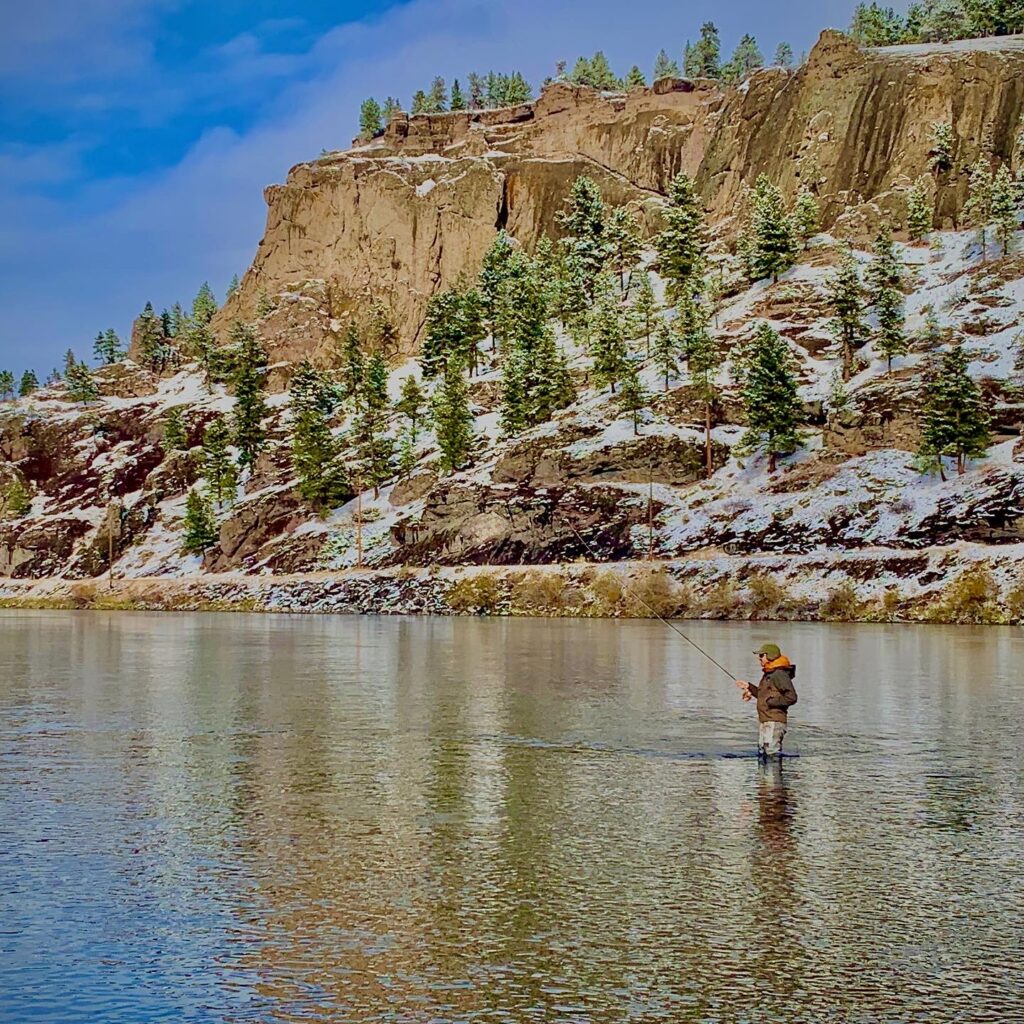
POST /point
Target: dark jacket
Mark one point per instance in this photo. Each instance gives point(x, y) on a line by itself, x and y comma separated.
point(775, 693)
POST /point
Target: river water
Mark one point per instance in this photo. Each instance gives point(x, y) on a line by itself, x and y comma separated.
point(266, 818)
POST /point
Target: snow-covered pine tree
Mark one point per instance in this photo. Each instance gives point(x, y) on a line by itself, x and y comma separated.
point(664, 67)
point(233, 285)
point(200, 528)
point(6, 384)
point(585, 230)
point(315, 452)
point(452, 418)
point(204, 305)
point(352, 371)
point(370, 119)
point(608, 341)
point(80, 384)
point(407, 459)
point(920, 212)
point(806, 216)
point(682, 245)
point(411, 403)
point(770, 398)
point(453, 327)
point(773, 231)
point(645, 307)
point(978, 208)
point(845, 296)
point(218, 466)
point(704, 358)
point(633, 398)
point(1004, 209)
point(890, 337)
point(942, 142)
point(29, 382)
point(666, 352)
point(107, 348)
point(885, 269)
point(955, 422)
point(783, 56)
point(175, 436)
point(622, 238)
point(494, 268)
point(249, 384)
point(635, 78)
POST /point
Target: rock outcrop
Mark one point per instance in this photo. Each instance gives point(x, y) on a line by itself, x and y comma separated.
point(396, 219)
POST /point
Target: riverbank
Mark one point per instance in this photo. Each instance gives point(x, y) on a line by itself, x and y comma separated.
point(953, 584)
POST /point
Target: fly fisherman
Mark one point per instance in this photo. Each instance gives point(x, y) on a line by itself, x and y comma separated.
point(775, 693)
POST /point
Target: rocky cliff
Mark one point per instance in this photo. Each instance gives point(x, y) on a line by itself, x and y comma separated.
point(395, 220)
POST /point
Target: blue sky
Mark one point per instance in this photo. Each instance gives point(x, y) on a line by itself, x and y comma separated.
point(136, 136)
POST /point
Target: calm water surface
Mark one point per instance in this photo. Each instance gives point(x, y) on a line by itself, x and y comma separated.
point(234, 818)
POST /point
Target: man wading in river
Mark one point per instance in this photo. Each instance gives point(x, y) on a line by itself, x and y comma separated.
point(775, 693)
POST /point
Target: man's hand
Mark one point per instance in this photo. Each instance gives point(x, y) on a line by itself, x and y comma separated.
point(745, 687)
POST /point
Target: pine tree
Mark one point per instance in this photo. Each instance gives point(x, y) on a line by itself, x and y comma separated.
point(602, 74)
point(453, 327)
point(682, 245)
point(218, 466)
point(175, 437)
point(204, 305)
point(407, 459)
point(746, 59)
point(806, 215)
point(200, 528)
point(385, 332)
point(955, 421)
point(29, 383)
point(410, 404)
point(978, 208)
point(419, 103)
point(494, 269)
point(233, 287)
point(608, 342)
point(666, 352)
point(845, 295)
point(708, 52)
point(581, 73)
point(353, 365)
point(477, 91)
point(770, 398)
point(941, 151)
point(773, 231)
point(645, 308)
point(69, 360)
point(635, 78)
point(633, 398)
point(458, 97)
point(316, 453)
point(885, 269)
point(585, 230)
point(249, 383)
point(1004, 208)
point(150, 334)
point(874, 26)
point(783, 56)
point(370, 120)
point(623, 243)
point(890, 338)
point(704, 358)
point(437, 98)
point(390, 108)
point(6, 384)
point(80, 385)
point(919, 212)
point(179, 320)
point(664, 67)
point(17, 500)
point(452, 419)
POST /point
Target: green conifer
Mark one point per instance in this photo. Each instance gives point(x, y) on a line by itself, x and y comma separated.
point(978, 208)
point(80, 384)
point(704, 358)
point(458, 97)
point(664, 67)
point(773, 231)
point(17, 500)
point(622, 239)
point(204, 305)
point(885, 269)
point(666, 352)
point(150, 334)
point(942, 143)
point(6, 384)
point(783, 56)
point(411, 403)
point(770, 398)
point(107, 347)
point(233, 285)
point(955, 422)
point(608, 341)
point(200, 528)
point(806, 215)
point(452, 419)
point(419, 103)
point(353, 366)
point(890, 337)
point(249, 384)
point(437, 98)
point(708, 52)
point(645, 308)
point(583, 221)
point(845, 295)
point(496, 266)
point(633, 398)
point(919, 212)
point(407, 458)
point(682, 245)
point(370, 119)
point(218, 466)
point(175, 436)
point(1004, 209)
point(29, 383)
point(635, 78)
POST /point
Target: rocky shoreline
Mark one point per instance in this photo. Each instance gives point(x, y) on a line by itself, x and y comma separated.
point(961, 583)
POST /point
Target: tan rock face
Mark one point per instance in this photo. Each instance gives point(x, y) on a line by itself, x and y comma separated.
point(397, 219)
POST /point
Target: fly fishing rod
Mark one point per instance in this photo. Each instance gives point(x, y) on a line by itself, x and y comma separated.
point(675, 629)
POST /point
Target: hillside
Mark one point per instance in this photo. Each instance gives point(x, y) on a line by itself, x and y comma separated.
point(849, 525)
